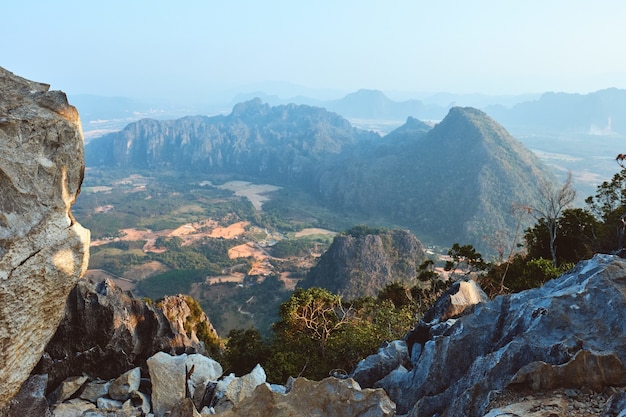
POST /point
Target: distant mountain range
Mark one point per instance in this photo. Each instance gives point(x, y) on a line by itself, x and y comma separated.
point(451, 183)
point(600, 112)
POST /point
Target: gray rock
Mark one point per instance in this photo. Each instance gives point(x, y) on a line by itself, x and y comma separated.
point(330, 397)
point(615, 406)
point(185, 408)
point(43, 250)
point(375, 367)
point(94, 390)
point(168, 374)
point(239, 388)
point(138, 400)
point(125, 384)
point(201, 370)
point(107, 404)
point(73, 408)
point(568, 334)
point(30, 400)
point(66, 389)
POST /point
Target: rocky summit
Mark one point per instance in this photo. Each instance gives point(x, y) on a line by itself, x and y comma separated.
point(43, 250)
point(568, 334)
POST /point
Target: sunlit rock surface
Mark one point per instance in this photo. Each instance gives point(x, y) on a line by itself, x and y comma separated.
point(43, 251)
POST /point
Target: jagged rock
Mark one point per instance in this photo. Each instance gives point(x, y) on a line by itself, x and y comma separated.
point(179, 312)
point(94, 390)
point(239, 388)
point(66, 389)
point(375, 367)
point(201, 371)
point(557, 335)
point(125, 384)
point(30, 400)
point(138, 400)
point(107, 404)
point(73, 408)
point(43, 250)
point(168, 377)
point(615, 406)
point(185, 408)
point(106, 332)
point(329, 397)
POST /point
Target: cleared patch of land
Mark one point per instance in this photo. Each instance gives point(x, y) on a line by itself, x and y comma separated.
point(256, 193)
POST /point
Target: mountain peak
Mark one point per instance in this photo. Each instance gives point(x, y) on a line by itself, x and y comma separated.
point(251, 108)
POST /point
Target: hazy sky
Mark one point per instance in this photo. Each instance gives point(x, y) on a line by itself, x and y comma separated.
point(190, 48)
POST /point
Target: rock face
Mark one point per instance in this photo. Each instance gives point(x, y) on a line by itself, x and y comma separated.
point(43, 250)
point(363, 261)
point(106, 332)
point(570, 333)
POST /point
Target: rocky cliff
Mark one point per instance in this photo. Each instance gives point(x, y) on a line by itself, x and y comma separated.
point(106, 332)
point(43, 250)
point(362, 262)
point(282, 144)
point(568, 334)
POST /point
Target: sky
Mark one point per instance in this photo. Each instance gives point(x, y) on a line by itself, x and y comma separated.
point(194, 48)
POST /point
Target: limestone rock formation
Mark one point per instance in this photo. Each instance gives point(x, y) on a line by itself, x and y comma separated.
point(363, 261)
point(106, 332)
point(330, 397)
point(43, 250)
point(568, 334)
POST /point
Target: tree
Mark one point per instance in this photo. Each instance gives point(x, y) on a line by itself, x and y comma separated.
point(549, 208)
point(466, 258)
point(315, 313)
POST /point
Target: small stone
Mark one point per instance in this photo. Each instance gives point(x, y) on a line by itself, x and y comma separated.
point(126, 383)
point(108, 404)
point(94, 390)
point(67, 389)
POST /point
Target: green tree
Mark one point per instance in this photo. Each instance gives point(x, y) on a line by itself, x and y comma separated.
point(549, 208)
point(244, 350)
point(465, 258)
point(575, 237)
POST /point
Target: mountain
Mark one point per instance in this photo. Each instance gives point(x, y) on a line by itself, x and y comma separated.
point(373, 104)
point(602, 111)
point(283, 144)
point(363, 261)
point(455, 183)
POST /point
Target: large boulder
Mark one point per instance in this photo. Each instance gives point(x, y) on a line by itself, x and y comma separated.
point(43, 250)
point(569, 333)
point(330, 397)
point(106, 332)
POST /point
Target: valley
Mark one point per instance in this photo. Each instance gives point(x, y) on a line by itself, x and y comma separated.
point(212, 242)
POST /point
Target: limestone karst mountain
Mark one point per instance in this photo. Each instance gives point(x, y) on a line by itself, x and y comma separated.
point(43, 250)
point(283, 144)
point(453, 183)
point(362, 262)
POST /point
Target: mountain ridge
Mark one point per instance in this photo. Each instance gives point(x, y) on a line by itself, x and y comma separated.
point(439, 181)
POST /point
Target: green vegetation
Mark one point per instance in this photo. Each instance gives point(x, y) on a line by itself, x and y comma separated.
point(317, 332)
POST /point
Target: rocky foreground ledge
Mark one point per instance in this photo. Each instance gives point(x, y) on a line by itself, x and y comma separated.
point(569, 334)
point(554, 351)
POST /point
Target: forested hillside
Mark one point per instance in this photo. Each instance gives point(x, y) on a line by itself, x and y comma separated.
point(455, 182)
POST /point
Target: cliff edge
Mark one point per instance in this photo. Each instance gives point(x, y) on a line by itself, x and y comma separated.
point(43, 250)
